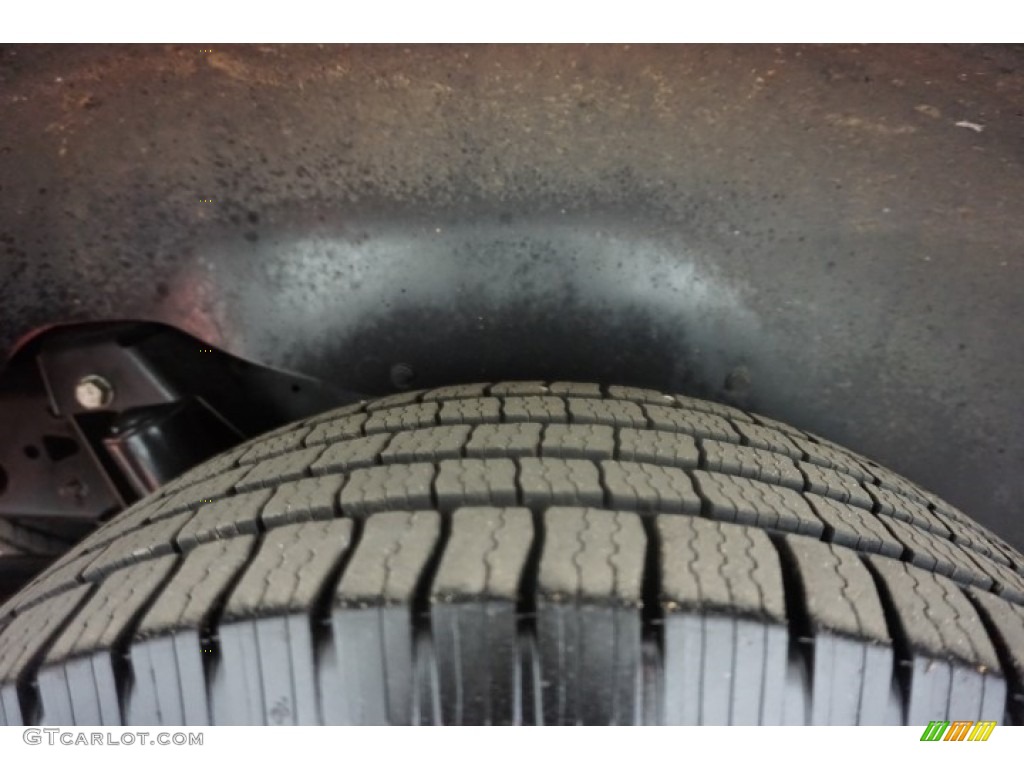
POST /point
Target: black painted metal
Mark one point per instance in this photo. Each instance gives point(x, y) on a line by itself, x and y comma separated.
point(154, 444)
point(64, 487)
point(829, 235)
point(175, 402)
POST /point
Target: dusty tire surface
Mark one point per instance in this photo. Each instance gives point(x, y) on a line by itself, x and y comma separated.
point(525, 552)
point(25, 550)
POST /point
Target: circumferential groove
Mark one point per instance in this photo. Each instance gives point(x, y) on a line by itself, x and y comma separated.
point(902, 653)
point(801, 635)
point(119, 652)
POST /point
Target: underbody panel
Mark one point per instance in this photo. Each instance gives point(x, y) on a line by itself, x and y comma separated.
point(827, 235)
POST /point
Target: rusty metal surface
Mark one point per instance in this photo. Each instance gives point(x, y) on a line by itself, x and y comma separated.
point(830, 235)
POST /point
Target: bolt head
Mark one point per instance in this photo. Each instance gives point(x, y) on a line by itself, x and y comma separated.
point(93, 392)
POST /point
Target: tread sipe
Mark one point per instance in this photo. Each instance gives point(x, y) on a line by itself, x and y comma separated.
point(525, 553)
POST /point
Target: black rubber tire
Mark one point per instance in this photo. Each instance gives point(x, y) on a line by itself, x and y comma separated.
point(24, 551)
point(525, 553)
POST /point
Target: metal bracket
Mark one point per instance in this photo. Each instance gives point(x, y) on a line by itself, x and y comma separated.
point(92, 417)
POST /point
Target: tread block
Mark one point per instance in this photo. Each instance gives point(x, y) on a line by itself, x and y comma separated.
point(201, 493)
point(111, 609)
point(893, 482)
point(152, 541)
point(954, 671)
point(843, 610)
point(968, 536)
point(944, 508)
point(640, 395)
point(936, 554)
point(835, 485)
point(312, 498)
point(652, 447)
point(485, 555)
point(344, 428)
point(350, 454)
point(769, 439)
point(1007, 583)
point(23, 643)
point(592, 554)
point(549, 482)
point(588, 615)
point(337, 413)
point(60, 577)
point(649, 488)
point(694, 423)
point(268, 670)
point(394, 486)
point(281, 468)
point(724, 619)
point(404, 417)
point(389, 560)
point(475, 482)
point(132, 518)
point(477, 410)
point(372, 620)
point(289, 569)
point(578, 441)
point(839, 594)
point(431, 444)
point(752, 463)
point(233, 516)
point(1016, 558)
point(616, 413)
point(545, 409)
point(503, 441)
point(898, 507)
point(82, 655)
point(739, 500)
point(718, 409)
point(520, 388)
point(206, 470)
point(474, 614)
point(270, 447)
point(397, 400)
point(457, 391)
point(854, 527)
point(712, 567)
point(779, 426)
point(193, 593)
point(830, 458)
point(575, 389)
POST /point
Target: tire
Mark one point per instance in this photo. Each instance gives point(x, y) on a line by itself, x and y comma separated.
point(24, 551)
point(525, 553)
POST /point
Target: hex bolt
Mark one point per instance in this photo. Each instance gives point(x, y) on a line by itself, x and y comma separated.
point(94, 392)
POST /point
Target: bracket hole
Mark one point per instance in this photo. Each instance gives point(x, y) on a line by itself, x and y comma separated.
point(58, 447)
